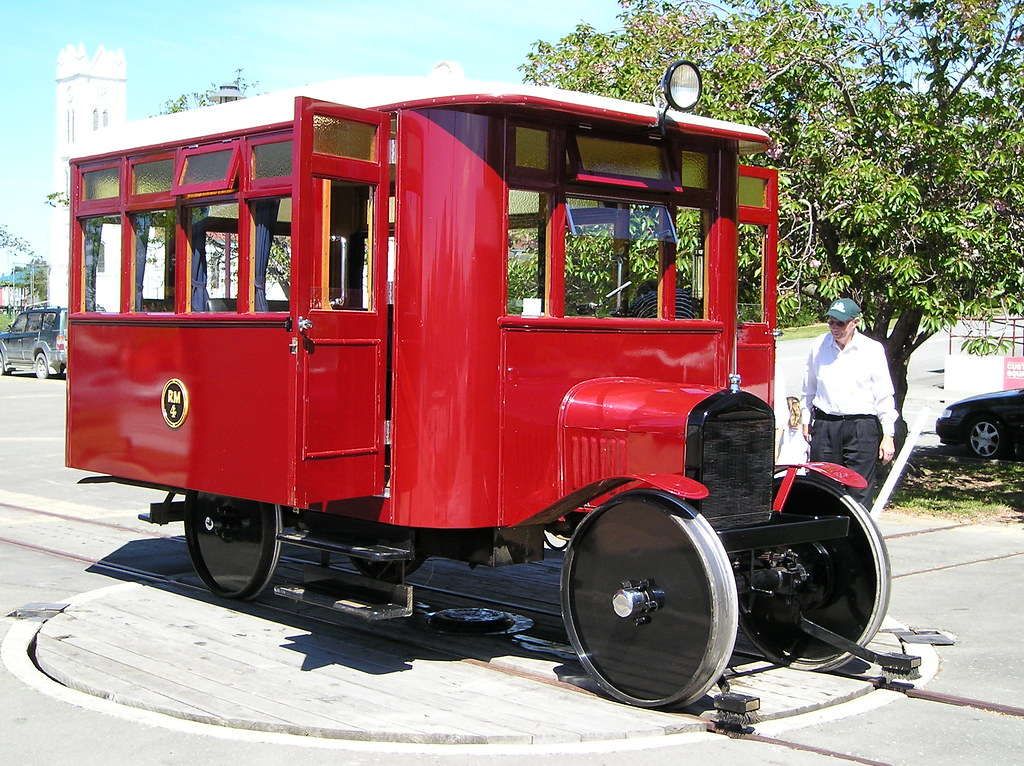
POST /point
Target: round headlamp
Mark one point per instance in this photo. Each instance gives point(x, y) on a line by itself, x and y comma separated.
point(681, 85)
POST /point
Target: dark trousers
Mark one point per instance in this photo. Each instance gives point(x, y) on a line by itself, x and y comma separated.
point(851, 443)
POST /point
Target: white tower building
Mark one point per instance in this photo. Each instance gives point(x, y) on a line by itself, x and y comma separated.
point(91, 96)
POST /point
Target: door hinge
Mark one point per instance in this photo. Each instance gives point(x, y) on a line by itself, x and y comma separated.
point(293, 345)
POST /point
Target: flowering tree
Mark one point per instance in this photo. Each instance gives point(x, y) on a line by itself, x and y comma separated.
point(898, 131)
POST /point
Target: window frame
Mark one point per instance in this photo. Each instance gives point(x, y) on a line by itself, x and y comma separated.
point(228, 184)
point(153, 200)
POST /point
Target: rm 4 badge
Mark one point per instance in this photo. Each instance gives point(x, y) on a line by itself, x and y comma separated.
point(175, 403)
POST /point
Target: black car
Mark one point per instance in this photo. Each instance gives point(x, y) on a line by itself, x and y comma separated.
point(36, 340)
point(990, 425)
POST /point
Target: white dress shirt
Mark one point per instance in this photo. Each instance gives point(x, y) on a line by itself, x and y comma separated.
point(849, 381)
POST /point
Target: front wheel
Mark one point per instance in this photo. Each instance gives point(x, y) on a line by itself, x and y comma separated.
point(4, 369)
point(987, 438)
point(649, 600)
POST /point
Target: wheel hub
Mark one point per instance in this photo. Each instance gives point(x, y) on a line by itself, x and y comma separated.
point(637, 599)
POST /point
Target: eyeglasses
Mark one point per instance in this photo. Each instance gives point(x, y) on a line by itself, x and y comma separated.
point(836, 323)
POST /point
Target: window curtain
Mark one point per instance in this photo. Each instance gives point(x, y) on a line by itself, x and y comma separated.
point(265, 217)
point(197, 234)
point(143, 223)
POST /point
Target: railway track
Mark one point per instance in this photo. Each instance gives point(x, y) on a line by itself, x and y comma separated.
point(548, 638)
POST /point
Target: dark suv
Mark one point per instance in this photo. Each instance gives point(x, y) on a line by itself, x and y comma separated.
point(38, 340)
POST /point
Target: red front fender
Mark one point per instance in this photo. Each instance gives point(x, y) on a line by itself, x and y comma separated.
point(838, 473)
point(673, 483)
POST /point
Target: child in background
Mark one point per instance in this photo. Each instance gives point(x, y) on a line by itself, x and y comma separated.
point(790, 445)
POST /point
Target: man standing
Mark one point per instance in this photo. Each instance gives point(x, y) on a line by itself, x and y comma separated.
point(849, 407)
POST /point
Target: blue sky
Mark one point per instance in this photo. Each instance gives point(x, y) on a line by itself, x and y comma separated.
point(185, 46)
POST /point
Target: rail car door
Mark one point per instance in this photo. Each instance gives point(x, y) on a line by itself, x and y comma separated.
point(756, 275)
point(339, 299)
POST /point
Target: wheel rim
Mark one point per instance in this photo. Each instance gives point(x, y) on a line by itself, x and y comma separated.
point(42, 368)
point(984, 439)
point(657, 546)
point(847, 592)
point(232, 543)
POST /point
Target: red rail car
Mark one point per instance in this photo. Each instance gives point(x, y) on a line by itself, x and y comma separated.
point(390, 319)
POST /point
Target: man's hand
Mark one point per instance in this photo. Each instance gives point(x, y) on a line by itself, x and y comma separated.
point(887, 449)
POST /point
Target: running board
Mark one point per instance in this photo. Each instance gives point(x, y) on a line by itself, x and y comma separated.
point(364, 597)
point(901, 664)
point(333, 545)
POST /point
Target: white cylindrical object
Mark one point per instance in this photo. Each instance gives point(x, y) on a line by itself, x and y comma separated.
point(901, 462)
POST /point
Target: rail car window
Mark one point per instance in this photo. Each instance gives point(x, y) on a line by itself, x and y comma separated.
point(208, 169)
point(531, 148)
point(101, 184)
point(152, 177)
point(613, 250)
point(602, 156)
point(750, 274)
point(272, 160)
point(153, 260)
point(753, 191)
point(213, 257)
point(692, 229)
point(272, 253)
point(344, 138)
point(346, 282)
point(527, 252)
point(693, 170)
point(101, 242)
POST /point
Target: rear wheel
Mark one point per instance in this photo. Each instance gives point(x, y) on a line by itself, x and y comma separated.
point(232, 543)
point(649, 600)
point(840, 584)
point(42, 366)
point(987, 438)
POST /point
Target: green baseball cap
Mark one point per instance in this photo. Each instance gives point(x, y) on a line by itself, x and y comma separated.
point(843, 309)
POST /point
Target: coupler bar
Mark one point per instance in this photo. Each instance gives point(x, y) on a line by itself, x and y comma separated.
point(904, 665)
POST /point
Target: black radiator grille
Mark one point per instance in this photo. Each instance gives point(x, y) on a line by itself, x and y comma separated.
point(737, 467)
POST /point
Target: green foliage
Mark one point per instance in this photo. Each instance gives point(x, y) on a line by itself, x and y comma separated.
point(58, 199)
point(897, 128)
point(29, 281)
point(9, 243)
point(961, 489)
point(194, 100)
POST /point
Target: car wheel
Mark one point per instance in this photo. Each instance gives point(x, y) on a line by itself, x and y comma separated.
point(987, 438)
point(4, 369)
point(42, 366)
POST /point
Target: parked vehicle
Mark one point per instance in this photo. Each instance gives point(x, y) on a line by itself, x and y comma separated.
point(36, 340)
point(989, 425)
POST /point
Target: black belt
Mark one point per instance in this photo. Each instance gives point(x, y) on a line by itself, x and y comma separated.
point(820, 415)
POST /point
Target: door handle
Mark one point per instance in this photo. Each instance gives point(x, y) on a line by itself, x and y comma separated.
point(305, 324)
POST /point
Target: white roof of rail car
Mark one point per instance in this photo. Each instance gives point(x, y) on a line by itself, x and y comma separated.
point(380, 92)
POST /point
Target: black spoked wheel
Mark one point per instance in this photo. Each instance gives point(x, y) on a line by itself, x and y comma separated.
point(649, 600)
point(232, 543)
point(846, 588)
